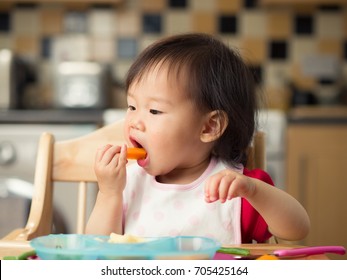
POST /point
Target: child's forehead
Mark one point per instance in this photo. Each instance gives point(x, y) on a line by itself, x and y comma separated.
point(173, 72)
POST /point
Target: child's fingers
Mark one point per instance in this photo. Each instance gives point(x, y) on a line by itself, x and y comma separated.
point(211, 187)
point(219, 186)
point(121, 158)
point(224, 187)
point(109, 154)
point(101, 151)
point(123, 155)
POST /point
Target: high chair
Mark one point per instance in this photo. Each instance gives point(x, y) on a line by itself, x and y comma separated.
point(72, 161)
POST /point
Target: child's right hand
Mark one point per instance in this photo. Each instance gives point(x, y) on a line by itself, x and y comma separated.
point(110, 169)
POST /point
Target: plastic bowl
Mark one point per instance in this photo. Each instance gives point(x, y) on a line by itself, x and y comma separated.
point(65, 247)
point(146, 250)
point(92, 247)
point(191, 247)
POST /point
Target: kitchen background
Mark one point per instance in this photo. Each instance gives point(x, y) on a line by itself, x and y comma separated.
point(70, 59)
point(300, 47)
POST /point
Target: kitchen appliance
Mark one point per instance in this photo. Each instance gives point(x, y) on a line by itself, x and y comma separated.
point(80, 84)
point(18, 148)
point(15, 75)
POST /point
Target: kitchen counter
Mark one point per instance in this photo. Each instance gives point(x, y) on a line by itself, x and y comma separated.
point(56, 116)
point(318, 115)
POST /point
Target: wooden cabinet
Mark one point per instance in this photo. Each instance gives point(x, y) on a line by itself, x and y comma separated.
point(317, 177)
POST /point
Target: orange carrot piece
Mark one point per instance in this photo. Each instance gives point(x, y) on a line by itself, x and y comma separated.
point(136, 153)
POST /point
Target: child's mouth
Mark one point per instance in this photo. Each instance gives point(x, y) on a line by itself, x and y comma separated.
point(138, 152)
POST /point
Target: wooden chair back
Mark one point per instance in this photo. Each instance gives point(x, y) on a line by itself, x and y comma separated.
point(72, 161)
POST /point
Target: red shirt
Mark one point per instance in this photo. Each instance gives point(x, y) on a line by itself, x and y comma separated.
point(253, 226)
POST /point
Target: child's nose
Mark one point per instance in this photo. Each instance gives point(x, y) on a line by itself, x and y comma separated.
point(137, 123)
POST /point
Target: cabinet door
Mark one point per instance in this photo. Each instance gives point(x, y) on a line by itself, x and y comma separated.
point(317, 177)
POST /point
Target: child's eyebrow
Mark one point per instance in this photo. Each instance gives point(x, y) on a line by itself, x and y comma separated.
point(161, 100)
point(157, 99)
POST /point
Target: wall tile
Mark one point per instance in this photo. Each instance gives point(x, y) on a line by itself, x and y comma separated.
point(177, 3)
point(102, 49)
point(278, 98)
point(228, 24)
point(300, 47)
point(147, 40)
point(128, 23)
point(253, 24)
point(153, 5)
point(254, 50)
point(26, 22)
point(51, 20)
point(75, 22)
point(330, 46)
point(75, 47)
point(304, 25)
point(301, 80)
point(279, 24)
point(152, 23)
point(329, 25)
point(278, 50)
point(234, 41)
point(5, 22)
point(27, 46)
point(227, 6)
point(177, 21)
point(207, 6)
point(121, 68)
point(102, 22)
point(250, 3)
point(204, 22)
point(127, 48)
point(276, 74)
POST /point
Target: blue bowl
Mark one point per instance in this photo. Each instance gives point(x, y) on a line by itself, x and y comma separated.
point(190, 247)
point(65, 247)
point(92, 247)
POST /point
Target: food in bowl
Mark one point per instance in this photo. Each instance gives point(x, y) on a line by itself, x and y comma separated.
point(126, 238)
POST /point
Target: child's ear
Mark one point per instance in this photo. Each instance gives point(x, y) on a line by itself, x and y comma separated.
point(215, 124)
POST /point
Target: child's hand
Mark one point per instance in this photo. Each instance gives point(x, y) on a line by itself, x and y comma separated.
point(110, 169)
point(226, 185)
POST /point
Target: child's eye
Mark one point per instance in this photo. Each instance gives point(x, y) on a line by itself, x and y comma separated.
point(131, 108)
point(155, 112)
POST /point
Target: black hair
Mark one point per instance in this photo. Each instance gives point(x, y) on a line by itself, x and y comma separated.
point(214, 77)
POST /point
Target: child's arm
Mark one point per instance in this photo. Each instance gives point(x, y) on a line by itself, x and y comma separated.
point(110, 170)
point(285, 216)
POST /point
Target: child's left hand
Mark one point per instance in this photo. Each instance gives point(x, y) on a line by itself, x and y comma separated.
point(228, 184)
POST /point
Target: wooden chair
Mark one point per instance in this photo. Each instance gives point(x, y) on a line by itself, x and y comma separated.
point(72, 161)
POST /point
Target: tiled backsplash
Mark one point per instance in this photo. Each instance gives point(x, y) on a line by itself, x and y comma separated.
point(275, 41)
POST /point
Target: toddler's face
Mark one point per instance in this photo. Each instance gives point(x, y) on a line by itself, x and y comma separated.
point(161, 119)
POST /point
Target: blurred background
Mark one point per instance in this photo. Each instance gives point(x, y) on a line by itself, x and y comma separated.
point(63, 63)
point(293, 48)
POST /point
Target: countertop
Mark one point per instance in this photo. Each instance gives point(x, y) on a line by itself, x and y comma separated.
point(318, 115)
point(56, 116)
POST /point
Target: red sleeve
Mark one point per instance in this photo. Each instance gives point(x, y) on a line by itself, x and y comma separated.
point(253, 226)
